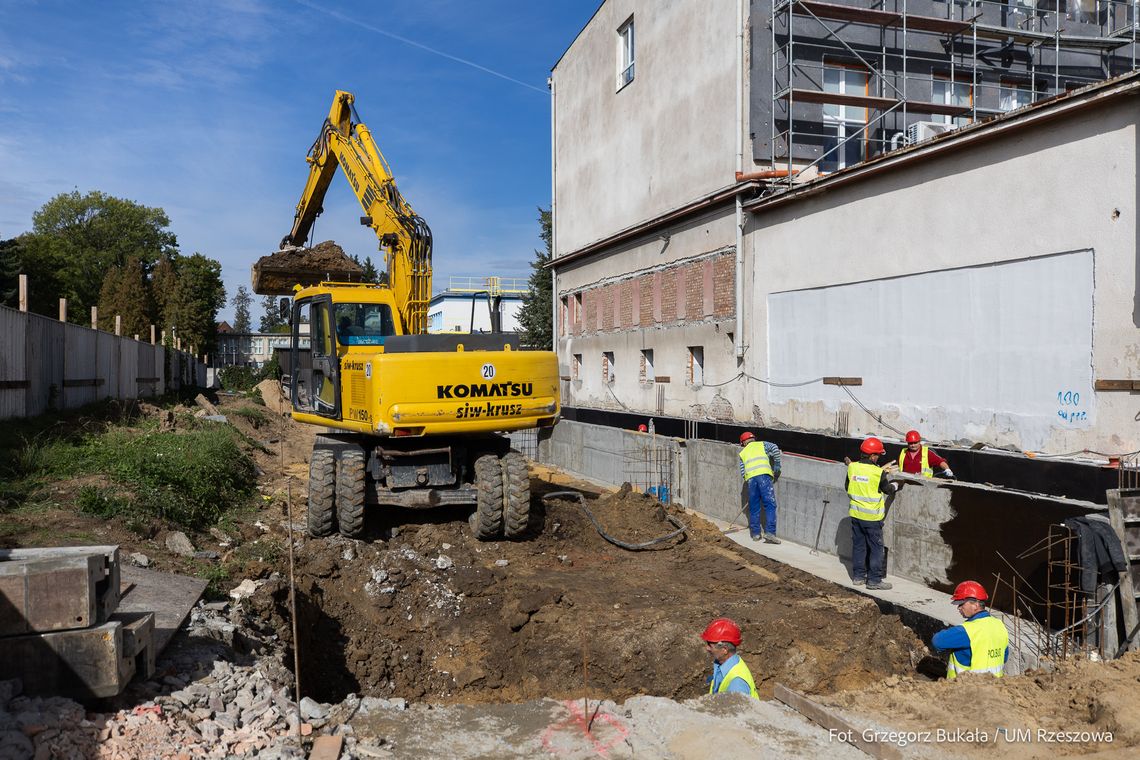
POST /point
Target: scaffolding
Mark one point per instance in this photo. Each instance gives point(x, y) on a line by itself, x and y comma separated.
point(960, 39)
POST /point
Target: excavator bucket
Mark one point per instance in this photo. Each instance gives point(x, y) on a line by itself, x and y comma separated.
point(277, 273)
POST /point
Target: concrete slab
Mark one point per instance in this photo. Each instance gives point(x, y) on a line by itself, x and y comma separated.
point(170, 597)
point(57, 588)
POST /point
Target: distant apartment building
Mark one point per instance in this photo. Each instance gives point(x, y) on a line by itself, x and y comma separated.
point(850, 217)
point(465, 306)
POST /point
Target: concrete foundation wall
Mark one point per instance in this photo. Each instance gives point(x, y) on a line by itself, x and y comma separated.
point(937, 532)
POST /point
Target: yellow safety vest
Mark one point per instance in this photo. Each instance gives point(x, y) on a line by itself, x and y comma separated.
point(755, 460)
point(863, 489)
point(927, 471)
point(741, 671)
point(988, 641)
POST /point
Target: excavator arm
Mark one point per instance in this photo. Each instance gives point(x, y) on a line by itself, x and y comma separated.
point(404, 236)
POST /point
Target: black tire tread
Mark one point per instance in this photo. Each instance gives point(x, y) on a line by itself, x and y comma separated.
point(516, 502)
point(487, 522)
point(322, 493)
point(350, 483)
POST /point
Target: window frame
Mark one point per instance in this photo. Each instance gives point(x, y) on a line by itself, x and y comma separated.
point(948, 98)
point(626, 53)
point(843, 121)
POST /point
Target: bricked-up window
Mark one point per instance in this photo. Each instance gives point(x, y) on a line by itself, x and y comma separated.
point(607, 366)
point(625, 53)
point(562, 318)
point(646, 374)
point(576, 319)
point(576, 370)
point(696, 365)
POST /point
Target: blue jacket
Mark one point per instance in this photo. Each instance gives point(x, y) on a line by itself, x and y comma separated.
point(956, 640)
point(737, 684)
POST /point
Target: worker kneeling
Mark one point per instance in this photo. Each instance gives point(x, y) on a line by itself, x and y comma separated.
point(722, 637)
point(981, 643)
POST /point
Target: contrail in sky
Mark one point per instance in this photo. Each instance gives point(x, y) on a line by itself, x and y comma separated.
point(340, 16)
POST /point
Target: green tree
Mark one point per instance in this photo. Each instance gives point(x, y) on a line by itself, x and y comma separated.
point(82, 237)
point(241, 301)
point(26, 254)
point(271, 320)
point(535, 316)
point(192, 308)
point(370, 274)
point(126, 293)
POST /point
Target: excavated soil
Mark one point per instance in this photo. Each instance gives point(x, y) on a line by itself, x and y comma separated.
point(277, 273)
point(430, 613)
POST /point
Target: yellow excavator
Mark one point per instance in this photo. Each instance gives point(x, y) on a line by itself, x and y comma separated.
point(414, 420)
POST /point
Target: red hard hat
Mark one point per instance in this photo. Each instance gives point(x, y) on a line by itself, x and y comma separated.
point(642, 429)
point(969, 590)
point(745, 437)
point(722, 629)
point(913, 436)
point(872, 445)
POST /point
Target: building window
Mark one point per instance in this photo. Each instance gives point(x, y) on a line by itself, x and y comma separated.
point(576, 321)
point(1013, 95)
point(696, 365)
point(607, 367)
point(576, 370)
point(562, 318)
point(952, 93)
point(625, 53)
point(841, 122)
point(646, 374)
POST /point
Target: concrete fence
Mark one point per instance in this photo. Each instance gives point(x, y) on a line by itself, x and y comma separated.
point(46, 364)
point(938, 532)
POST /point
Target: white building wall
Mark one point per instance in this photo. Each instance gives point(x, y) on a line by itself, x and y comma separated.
point(665, 139)
point(1015, 257)
point(453, 314)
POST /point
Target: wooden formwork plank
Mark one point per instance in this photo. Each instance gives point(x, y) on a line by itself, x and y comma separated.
point(82, 664)
point(819, 714)
point(170, 597)
point(1116, 515)
point(57, 588)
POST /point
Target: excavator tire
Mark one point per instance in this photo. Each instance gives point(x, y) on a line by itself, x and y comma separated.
point(350, 493)
point(487, 522)
point(516, 501)
point(322, 492)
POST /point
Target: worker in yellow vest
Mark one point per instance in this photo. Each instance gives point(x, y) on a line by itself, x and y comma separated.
point(917, 459)
point(981, 643)
point(722, 637)
point(867, 492)
point(760, 468)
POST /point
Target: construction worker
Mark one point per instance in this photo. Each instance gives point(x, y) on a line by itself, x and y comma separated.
point(760, 468)
point(722, 637)
point(981, 643)
point(867, 490)
point(917, 459)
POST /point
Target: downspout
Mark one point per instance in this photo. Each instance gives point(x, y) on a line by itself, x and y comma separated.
point(553, 248)
point(738, 334)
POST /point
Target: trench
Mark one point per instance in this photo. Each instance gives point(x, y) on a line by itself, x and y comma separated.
point(431, 614)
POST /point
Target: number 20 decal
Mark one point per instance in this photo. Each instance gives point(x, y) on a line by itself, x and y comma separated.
point(488, 371)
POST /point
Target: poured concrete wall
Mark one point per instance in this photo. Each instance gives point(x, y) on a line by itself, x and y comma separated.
point(937, 532)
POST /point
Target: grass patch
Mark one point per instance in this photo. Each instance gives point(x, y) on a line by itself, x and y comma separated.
point(256, 416)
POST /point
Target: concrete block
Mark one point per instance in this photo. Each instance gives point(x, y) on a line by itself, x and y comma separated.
point(57, 588)
point(83, 664)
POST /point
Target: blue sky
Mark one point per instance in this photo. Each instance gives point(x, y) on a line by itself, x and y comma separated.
point(208, 108)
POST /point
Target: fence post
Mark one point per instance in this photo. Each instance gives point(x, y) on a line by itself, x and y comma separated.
point(94, 317)
point(152, 335)
point(63, 310)
point(23, 292)
point(118, 325)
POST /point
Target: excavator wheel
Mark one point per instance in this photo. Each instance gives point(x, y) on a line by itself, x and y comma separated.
point(350, 493)
point(322, 492)
point(487, 522)
point(516, 501)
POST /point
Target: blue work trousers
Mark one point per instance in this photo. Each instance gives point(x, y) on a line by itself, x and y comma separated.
point(867, 550)
point(761, 490)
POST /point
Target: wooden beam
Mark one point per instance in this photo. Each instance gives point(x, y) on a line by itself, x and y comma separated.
point(23, 292)
point(842, 381)
point(1116, 385)
point(819, 714)
point(94, 317)
point(86, 382)
point(5, 384)
point(63, 310)
point(118, 324)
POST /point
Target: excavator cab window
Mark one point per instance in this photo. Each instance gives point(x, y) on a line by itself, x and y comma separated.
point(316, 386)
point(363, 324)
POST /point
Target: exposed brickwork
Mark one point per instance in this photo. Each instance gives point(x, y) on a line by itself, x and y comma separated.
point(724, 286)
point(607, 306)
point(669, 295)
point(645, 291)
point(626, 290)
point(694, 307)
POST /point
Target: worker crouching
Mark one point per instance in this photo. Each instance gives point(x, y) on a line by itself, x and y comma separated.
point(722, 637)
point(978, 645)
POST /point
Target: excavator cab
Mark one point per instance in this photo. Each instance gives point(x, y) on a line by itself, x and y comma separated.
point(316, 382)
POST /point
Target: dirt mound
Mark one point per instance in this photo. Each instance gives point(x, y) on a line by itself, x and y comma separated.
point(433, 614)
point(277, 273)
point(1079, 698)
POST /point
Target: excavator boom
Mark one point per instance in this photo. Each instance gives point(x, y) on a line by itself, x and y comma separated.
point(404, 236)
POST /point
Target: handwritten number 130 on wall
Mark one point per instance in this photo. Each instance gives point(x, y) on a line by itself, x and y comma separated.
point(1070, 399)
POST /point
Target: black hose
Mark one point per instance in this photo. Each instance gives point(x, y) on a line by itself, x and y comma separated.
point(681, 529)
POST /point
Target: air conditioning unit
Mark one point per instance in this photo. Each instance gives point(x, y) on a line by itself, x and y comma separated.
point(924, 130)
